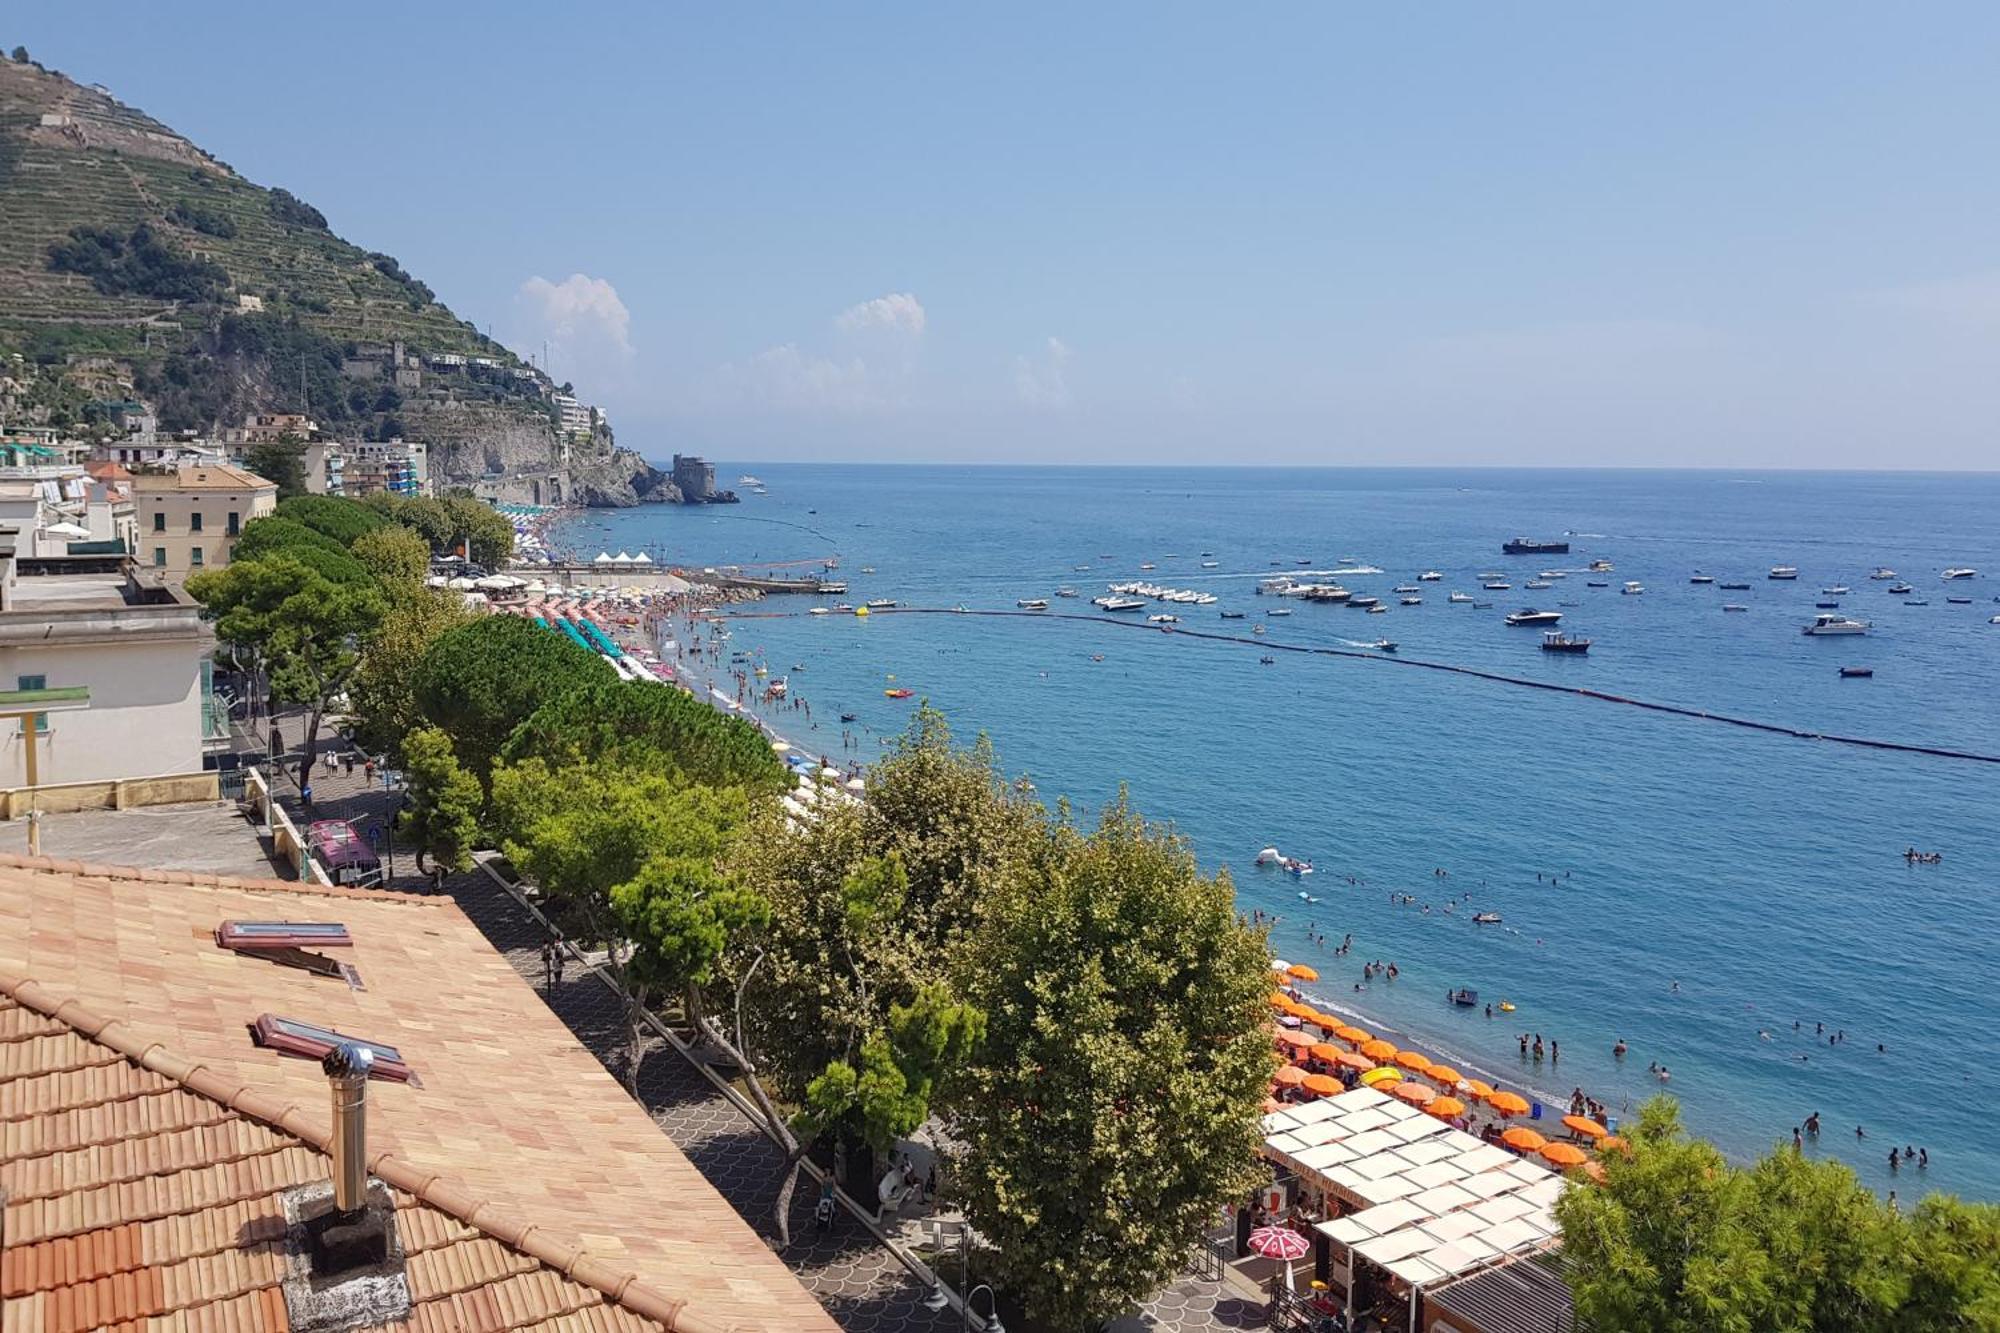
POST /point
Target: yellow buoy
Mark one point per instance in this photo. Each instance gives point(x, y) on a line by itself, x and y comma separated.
point(861, 611)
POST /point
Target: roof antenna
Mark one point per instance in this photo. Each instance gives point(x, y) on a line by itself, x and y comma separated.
point(347, 1066)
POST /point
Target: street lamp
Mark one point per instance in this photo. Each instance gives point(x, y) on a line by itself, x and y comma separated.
point(993, 1324)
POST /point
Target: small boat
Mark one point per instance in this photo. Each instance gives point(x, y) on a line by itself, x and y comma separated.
point(1065, 592)
point(1378, 610)
point(1701, 578)
point(1080, 569)
point(1163, 620)
point(1384, 645)
point(1118, 603)
point(1632, 588)
point(1601, 566)
point(1961, 573)
point(1033, 603)
point(898, 693)
point(1413, 601)
point(1405, 587)
point(1783, 572)
point(1994, 621)
point(1856, 673)
point(880, 604)
point(1463, 996)
point(1211, 564)
point(1917, 601)
point(1837, 590)
point(1553, 574)
point(1827, 606)
point(1528, 615)
point(1900, 588)
point(1555, 641)
point(1429, 576)
point(868, 569)
point(847, 717)
point(817, 611)
point(1734, 587)
point(1365, 603)
point(1459, 597)
point(1832, 624)
point(1734, 606)
point(1959, 601)
point(1538, 584)
point(1486, 918)
point(1149, 566)
point(1268, 660)
point(1281, 611)
point(1482, 606)
point(1498, 585)
point(1883, 572)
point(1232, 615)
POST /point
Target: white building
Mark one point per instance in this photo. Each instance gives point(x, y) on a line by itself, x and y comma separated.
point(572, 417)
point(101, 684)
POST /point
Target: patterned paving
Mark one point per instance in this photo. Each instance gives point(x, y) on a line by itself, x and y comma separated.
point(859, 1280)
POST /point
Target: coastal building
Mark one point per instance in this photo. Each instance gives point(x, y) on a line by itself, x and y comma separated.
point(172, 1132)
point(111, 514)
point(191, 516)
point(397, 467)
point(270, 427)
point(573, 418)
point(695, 477)
point(103, 684)
point(136, 453)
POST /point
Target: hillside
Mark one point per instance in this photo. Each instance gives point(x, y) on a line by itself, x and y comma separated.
point(135, 265)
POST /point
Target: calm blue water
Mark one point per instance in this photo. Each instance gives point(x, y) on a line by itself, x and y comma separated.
point(1763, 874)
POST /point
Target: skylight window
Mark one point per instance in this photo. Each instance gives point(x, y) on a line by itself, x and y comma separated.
point(289, 1036)
point(290, 943)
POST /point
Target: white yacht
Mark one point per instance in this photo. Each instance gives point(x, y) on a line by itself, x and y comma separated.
point(1538, 583)
point(1783, 572)
point(1065, 592)
point(747, 480)
point(1883, 572)
point(1835, 624)
point(1033, 603)
point(1960, 573)
point(1413, 600)
point(1837, 590)
point(1528, 615)
point(1164, 620)
point(1633, 588)
point(1459, 597)
point(1429, 576)
point(1118, 603)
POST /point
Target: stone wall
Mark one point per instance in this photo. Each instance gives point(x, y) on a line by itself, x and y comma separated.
point(516, 458)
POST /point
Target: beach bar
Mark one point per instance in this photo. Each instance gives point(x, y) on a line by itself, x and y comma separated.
point(1408, 1203)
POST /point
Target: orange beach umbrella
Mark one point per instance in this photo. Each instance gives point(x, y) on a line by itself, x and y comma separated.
point(1379, 1049)
point(1445, 1108)
point(1474, 1087)
point(1442, 1075)
point(1508, 1103)
point(1302, 972)
point(1280, 1000)
point(1348, 1032)
point(1585, 1126)
point(1354, 1060)
point(1413, 1060)
point(1289, 1076)
point(1613, 1143)
point(1322, 1051)
point(1321, 1085)
point(1294, 1039)
point(1417, 1094)
point(1520, 1136)
point(1564, 1154)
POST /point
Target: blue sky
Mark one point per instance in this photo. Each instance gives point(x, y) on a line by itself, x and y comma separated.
point(1698, 234)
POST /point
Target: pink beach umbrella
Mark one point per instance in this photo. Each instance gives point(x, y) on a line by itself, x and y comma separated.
point(1280, 1243)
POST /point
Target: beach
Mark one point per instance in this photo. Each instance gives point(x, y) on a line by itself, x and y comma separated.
point(1663, 880)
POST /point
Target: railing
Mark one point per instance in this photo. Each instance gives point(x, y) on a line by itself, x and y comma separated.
point(1209, 1258)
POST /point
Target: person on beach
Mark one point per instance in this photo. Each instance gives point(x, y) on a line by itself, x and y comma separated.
point(1555, 1050)
point(1895, 1160)
point(1524, 1045)
point(1812, 1124)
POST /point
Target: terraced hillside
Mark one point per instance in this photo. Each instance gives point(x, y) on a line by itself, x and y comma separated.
point(72, 156)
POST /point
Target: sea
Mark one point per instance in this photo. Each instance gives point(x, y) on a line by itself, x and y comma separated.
point(1735, 906)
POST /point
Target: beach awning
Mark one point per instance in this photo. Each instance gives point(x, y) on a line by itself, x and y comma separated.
point(642, 559)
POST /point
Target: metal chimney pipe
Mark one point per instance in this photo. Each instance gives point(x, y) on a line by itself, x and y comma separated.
point(347, 1067)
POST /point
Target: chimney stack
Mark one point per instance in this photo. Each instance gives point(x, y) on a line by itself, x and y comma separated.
point(347, 1067)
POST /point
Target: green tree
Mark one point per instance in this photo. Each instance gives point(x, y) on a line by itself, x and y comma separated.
point(444, 800)
point(485, 534)
point(305, 629)
point(1953, 1260)
point(644, 726)
point(481, 680)
point(283, 461)
point(886, 1091)
point(382, 692)
point(342, 519)
point(274, 532)
point(1113, 1106)
point(425, 516)
point(631, 861)
point(397, 557)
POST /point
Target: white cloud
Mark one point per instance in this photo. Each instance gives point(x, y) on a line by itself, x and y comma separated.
point(898, 312)
point(582, 319)
point(788, 378)
point(1041, 380)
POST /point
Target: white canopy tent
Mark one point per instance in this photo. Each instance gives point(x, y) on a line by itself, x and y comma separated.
point(1436, 1202)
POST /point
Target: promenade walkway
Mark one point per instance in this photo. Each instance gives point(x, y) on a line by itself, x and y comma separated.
point(857, 1276)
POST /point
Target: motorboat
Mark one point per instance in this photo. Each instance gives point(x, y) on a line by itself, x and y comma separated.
point(1555, 641)
point(1281, 611)
point(1782, 572)
point(1701, 578)
point(816, 611)
point(1163, 620)
point(1033, 603)
point(1734, 587)
point(1528, 615)
point(880, 604)
point(1429, 576)
point(1378, 610)
point(1066, 592)
point(1384, 645)
point(1211, 564)
point(1882, 572)
point(1459, 597)
point(1828, 606)
point(1463, 997)
point(1837, 590)
point(1835, 624)
point(1365, 603)
point(1118, 603)
point(1498, 585)
point(1553, 574)
point(1486, 918)
point(1632, 588)
point(847, 717)
point(1856, 673)
point(1734, 606)
point(1601, 566)
point(1530, 546)
point(1413, 601)
point(1149, 567)
point(1232, 615)
point(1917, 601)
point(1900, 588)
point(898, 693)
point(1959, 601)
point(1962, 573)
point(1405, 587)
point(1267, 660)
point(1595, 583)
point(747, 480)
point(1538, 584)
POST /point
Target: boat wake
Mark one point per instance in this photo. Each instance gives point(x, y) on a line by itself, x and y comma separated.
point(1290, 573)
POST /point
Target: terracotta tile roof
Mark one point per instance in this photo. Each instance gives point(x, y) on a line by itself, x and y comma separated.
point(145, 1141)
